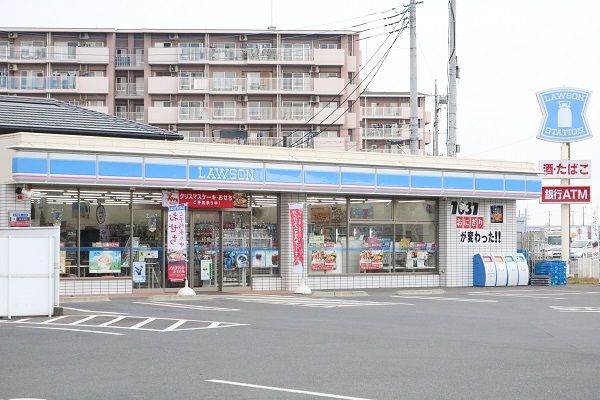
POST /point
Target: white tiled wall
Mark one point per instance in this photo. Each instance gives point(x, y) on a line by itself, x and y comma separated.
point(90, 287)
point(8, 202)
point(456, 257)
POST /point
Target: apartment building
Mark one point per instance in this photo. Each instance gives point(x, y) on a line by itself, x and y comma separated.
point(258, 87)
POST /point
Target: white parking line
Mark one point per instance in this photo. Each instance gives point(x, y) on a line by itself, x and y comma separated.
point(576, 309)
point(448, 299)
point(93, 311)
point(112, 321)
point(145, 322)
point(310, 302)
point(188, 306)
point(71, 329)
point(280, 389)
point(52, 320)
point(519, 295)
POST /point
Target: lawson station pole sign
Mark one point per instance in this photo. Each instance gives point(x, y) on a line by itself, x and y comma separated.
point(563, 115)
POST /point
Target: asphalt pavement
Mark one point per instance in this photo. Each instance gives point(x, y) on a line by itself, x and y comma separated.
point(463, 343)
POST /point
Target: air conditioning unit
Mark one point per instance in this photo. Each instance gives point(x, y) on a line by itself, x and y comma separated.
point(173, 68)
point(84, 35)
point(314, 99)
point(173, 36)
point(314, 69)
point(13, 35)
point(13, 67)
point(243, 98)
point(243, 38)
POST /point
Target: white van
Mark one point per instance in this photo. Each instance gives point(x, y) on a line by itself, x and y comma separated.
point(584, 249)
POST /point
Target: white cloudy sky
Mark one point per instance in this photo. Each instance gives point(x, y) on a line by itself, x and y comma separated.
point(507, 51)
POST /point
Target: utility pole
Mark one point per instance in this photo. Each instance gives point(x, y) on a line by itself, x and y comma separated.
point(436, 121)
point(414, 100)
point(452, 76)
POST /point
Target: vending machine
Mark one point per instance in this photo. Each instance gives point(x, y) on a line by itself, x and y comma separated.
point(484, 270)
point(501, 272)
point(523, 269)
point(512, 269)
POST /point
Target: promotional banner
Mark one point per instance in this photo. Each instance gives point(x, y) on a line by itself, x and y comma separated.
point(139, 272)
point(105, 261)
point(198, 199)
point(19, 218)
point(297, 227)
point(176, 243)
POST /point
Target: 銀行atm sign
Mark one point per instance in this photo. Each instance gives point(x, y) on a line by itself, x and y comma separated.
point(566, 194)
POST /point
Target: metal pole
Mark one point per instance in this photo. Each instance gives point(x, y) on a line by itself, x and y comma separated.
point(436, 121)
point(565, 209)
point(131, 232)
point(414, 100)
point(452, 72)
point(221, 258)
point(79, 234)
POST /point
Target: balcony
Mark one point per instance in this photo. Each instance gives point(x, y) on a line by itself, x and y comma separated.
point(24, 53)
point(77, 84)
point(397, 133)
point(56, 54)
point(236, 85)
point(219, 114)
point(387, 112)
point(328, 85)
point(185, 55)
point(131, 90)
point(137, 116)
point(129, 61)
point(329, 56)
point(297, 85)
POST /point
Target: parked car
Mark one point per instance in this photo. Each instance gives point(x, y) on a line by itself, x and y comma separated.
point(584, 249)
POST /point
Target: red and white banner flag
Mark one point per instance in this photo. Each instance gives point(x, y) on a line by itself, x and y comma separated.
point(297, 226)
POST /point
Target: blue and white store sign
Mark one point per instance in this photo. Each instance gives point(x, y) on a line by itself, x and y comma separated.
point(563, 115)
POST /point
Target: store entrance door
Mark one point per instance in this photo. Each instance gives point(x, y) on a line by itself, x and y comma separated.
point(220, 250)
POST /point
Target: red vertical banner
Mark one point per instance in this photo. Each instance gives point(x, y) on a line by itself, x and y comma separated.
point(176, 244)
point(297, 226)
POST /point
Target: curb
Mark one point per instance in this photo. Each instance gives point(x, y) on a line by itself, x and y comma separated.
point(174, 297)
point(83, 299)
point(350, 293)
point(420, 292)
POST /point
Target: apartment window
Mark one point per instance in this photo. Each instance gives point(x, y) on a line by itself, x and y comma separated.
point(351, 77)
point(95, 103)
point(296, 81)
point(328, 134)
point(96, 74)
point(260, 110)
point(261, 51)
point(329, 46)
point(297, 110)
point(296, 51)
point(161, 103)
point(33, 49)
point(191, 110)
point(192, 51)
point(328, 75)
point(224, 109)
point(224, 80)
point(192, 80)
point(31, 80)
point(162, 44)
point(328, 104)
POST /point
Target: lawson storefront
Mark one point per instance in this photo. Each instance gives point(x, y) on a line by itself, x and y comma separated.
point(359, 220)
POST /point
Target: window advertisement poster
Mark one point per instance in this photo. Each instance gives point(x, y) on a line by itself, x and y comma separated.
point(259, 259)
point(176, 243)
point(273, 258)
point(371, 259)
point(19, 218)
point(105, 261)
point(297, 228)
point(205, 269)
point(139, 272)
point(497, 214)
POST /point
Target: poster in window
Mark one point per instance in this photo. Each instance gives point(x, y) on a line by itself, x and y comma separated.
point(259, 260)
point(139, 271)
point(320, 214)
point(105, 261)
point(497, 214)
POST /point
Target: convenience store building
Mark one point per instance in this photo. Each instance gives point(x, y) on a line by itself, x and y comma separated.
point(368, 220)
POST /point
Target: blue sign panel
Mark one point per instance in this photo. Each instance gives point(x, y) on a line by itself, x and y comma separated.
point(563, 115)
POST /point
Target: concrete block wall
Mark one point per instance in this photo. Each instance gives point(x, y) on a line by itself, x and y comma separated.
point(456, 256)
point(8, 202)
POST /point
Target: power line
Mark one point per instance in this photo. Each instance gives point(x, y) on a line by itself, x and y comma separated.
point(378, 67)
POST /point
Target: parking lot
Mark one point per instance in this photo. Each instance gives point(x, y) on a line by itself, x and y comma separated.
point(493, 343)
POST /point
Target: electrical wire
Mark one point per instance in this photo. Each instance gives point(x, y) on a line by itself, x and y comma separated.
point(339, 94)
point(378, 67)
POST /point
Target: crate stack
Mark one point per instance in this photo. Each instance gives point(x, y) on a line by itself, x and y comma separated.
point(555, 270)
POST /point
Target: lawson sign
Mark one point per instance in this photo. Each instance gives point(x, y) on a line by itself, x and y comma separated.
point(563, 115)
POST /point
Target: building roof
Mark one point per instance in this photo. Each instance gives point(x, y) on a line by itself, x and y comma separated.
point(33, 114)
point(180, 30)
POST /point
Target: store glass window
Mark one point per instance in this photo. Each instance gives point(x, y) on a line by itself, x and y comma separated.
point(415, 236)
point(265, 235)
point(148, 270)
point(327, 235)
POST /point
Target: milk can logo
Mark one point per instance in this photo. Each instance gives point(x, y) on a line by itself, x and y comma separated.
point(563, 115)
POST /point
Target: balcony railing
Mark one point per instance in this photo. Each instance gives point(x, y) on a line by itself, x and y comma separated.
point(386, 133)
point(129, 89)
point(62, 53)
point(297, 84)
point(193, 113)
point(383, 111)
point(129, 60)
point(261, 113)
point(137, 116)
point(38, 83)
point(227, 84)
point(295, 114)
point(203, 54)
point(193, 83)
point(36, 53)
point(228, 114)
point(55, 54)
point(296, 54)
point(193, 54)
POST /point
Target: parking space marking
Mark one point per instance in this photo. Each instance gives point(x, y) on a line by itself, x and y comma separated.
point(280, 389)
point(93, 311)
point(520, 295)
point(576, 309)
point(310, 302)
point(126, 322)
point(448, 299)
point(71, 329)
point(188, 306)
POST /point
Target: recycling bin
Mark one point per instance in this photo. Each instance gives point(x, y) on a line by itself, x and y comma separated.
point(484, 270)
point(511, 269)
point(501, 272)
point(523, 268)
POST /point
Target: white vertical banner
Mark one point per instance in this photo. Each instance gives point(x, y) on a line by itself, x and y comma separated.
point(176, 244)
